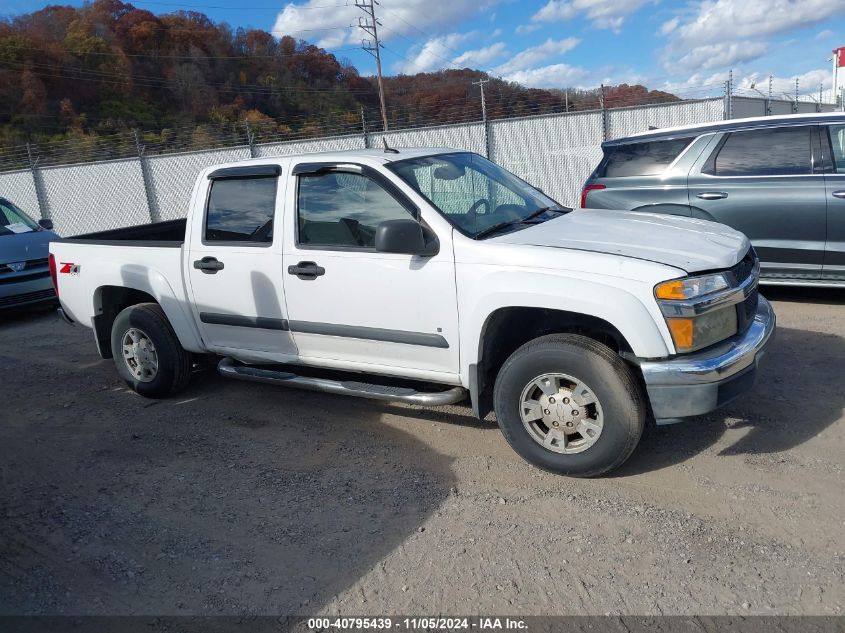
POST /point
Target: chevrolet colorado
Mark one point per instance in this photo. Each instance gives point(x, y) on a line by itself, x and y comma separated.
point(430, 276)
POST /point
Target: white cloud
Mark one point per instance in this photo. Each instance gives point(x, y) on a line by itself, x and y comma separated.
point(808, 83)
point(720, 33)
point(712, 56)
point(480, 57)
point(824, 34)
point(604, 14)
point(669, 26)
point(327, 24)
point(439, 52)
point(536, 54)
point(552, 76)
point(719, 20)
point(525, 29)
point(435, 53)
point(697, 84)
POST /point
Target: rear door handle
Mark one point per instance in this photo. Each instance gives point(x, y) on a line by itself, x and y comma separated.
point(208, 265)
point(839, 194)
point(712, 195)
point(307, 270)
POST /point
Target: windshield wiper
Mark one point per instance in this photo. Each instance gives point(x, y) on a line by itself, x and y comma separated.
point(525, 220)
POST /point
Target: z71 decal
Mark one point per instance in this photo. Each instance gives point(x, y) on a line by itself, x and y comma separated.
point(69, 268)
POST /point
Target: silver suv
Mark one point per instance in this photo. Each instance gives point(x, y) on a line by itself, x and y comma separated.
point(779, 180)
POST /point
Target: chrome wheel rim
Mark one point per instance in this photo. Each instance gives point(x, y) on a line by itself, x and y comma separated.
point(561, 413)
point(139, 354)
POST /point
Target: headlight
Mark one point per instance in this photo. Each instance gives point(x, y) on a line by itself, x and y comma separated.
point(695, 333)
point(690, 287)
point(693, 329)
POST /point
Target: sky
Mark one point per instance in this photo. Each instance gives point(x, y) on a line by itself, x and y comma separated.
point(684, 46)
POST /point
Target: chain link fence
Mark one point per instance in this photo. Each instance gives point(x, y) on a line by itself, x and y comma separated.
point(555, 152)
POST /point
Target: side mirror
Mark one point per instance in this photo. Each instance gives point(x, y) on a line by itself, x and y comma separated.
point(46, 224)
point(403, 236)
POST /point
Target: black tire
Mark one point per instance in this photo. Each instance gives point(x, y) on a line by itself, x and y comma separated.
point(174, 363)
point(612, 381)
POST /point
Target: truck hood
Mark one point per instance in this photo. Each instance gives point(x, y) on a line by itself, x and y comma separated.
point(686, 243)
point(20, 247)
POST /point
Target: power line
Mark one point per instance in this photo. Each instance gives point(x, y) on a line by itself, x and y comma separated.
point(236, 8)
point(247, 56)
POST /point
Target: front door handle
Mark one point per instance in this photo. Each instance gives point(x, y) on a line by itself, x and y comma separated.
point(839, 194)
point(712, 195)
point(307, 270)
point(208, 265)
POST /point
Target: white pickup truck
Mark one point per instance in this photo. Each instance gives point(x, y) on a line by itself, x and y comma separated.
point(430, 276)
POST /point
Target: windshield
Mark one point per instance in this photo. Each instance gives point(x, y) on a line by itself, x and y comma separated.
point(471, 192)
point(13, 220)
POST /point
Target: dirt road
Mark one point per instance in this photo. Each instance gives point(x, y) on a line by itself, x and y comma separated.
point(238, 498)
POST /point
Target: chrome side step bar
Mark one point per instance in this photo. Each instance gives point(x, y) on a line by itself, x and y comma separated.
point(229, 368)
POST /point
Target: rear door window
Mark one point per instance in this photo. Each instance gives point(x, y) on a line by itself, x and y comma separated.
point(241, 210)
point(771, 152)
point(641, 159)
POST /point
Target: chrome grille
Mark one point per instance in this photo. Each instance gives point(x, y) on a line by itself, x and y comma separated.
point(744, 268)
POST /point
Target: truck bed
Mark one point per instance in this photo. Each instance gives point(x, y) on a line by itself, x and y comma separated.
point(170, 233)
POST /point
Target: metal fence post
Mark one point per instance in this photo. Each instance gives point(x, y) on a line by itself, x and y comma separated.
point(730, 94)
point(250, 138)
point(603, 115)
point(38, 184)
point(152, 206)
point(364, 129)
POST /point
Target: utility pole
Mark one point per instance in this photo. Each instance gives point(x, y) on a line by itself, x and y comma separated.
point(369, 24)
point(480, 83)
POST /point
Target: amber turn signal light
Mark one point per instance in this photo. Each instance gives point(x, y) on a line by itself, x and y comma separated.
point(671, 290)
point(682, 333)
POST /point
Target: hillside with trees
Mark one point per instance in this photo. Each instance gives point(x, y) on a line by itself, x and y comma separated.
point(74, 76)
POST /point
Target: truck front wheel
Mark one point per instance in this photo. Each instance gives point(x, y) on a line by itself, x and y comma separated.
point(569, 404)
point(147, 353)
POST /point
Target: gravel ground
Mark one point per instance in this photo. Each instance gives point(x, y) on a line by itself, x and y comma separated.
point(237, 498)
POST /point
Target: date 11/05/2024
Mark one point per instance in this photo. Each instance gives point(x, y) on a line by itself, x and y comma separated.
point(417, 624)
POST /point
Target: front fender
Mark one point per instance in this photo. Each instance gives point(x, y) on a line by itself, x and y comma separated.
point(638, 319)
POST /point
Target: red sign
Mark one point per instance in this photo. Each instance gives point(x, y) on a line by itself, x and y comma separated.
point(839, 56)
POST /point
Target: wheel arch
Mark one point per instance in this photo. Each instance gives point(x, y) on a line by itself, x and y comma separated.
point(508, 328)
point(109, 300)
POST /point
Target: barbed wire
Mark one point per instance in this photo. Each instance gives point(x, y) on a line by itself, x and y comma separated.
point(128, 143)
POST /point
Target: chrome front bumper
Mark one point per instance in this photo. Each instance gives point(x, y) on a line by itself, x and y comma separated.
point(698, 383)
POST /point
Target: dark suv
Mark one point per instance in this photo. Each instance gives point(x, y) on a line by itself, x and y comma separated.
point(779, 180)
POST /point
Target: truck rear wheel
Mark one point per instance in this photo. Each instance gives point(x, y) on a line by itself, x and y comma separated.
point(147, 353)
point(568, 404)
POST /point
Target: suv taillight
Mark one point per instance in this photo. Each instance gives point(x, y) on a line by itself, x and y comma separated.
point(587, 189)
point(51, 261)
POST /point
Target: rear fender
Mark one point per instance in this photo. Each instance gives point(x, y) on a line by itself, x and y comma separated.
point(152, 283)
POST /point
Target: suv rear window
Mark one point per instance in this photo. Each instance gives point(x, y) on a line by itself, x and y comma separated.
point(770, 152)
point(641, 159)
